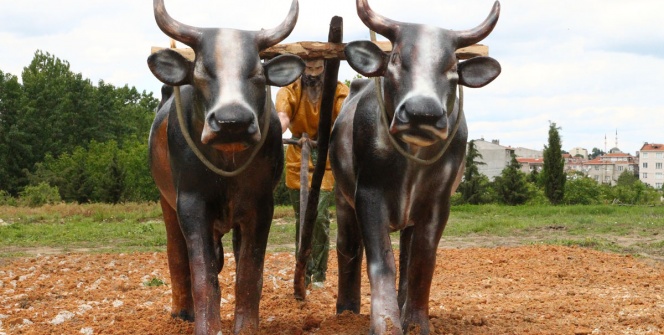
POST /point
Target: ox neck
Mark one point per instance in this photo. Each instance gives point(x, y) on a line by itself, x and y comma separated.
point(385, 119)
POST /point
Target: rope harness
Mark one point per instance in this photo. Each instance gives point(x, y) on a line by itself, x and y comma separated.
point(199, 154)
point(402, 151)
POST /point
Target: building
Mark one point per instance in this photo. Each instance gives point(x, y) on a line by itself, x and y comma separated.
point(607, 168)
point(651, 161)
point(528, 153)
point(574, 163)
point(530, 165)
point(579, 152)
point(494, 156)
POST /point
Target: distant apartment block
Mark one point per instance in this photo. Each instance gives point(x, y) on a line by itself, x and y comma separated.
point(574, 163)
point(576, 152)
point(651, 161)
point(530, 165)
point(528, 153)
point(494, 156)
point(607, 168)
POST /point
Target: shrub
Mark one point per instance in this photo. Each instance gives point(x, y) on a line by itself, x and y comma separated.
point(581, 191)
point(6, 199)
point(39, 195)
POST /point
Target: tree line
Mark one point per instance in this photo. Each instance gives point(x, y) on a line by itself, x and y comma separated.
point(63, 138)
point(551, 185)
point(60, 130)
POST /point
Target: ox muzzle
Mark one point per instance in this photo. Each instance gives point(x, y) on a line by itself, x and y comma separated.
point(421, 121)
point(231, 128)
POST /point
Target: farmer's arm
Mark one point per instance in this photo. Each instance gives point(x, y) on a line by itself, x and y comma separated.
point(284, 104)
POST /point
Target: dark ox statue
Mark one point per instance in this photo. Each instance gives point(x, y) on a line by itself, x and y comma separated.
point(380, 190)
point(223, 103)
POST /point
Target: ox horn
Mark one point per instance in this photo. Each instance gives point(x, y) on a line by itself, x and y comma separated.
point(375, 21)
point(469, 37)
point(181, 32)
point(270, 37)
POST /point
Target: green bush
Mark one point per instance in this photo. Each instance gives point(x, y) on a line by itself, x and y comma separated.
point(6, 199)
point(582, 191)
point(39, 195)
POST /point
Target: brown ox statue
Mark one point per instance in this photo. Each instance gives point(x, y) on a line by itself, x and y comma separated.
point(225, 115)
point(405, 182)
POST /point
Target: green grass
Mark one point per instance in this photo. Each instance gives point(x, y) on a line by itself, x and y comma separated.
point(139, 227)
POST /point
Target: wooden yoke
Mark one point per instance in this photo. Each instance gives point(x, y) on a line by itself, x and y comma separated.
point(330, 50)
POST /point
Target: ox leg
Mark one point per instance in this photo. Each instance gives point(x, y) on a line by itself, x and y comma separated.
point(196, 224)
point(252, 241)
point(404, 252)
point(422, 263)
point(182, 305)
point(374, 223)
point(349, 256)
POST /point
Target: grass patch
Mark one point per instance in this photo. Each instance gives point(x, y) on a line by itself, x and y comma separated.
point(592, 243)
point(154, 282)
point(139, 227)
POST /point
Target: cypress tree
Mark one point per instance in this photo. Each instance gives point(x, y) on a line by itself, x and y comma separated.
point(472, 187)
point(553, 173)
point(511, 185)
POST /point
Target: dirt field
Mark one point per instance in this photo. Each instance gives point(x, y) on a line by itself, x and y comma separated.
point(505, 290)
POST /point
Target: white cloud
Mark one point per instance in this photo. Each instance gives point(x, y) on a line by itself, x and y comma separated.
point(591, 66)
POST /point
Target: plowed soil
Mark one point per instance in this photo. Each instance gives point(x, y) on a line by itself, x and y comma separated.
point(534, 289)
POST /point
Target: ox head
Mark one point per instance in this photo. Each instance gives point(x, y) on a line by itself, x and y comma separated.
point(421, 73)
point(227, 75)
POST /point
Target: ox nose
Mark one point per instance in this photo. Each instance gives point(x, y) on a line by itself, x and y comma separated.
point(418, 112)
point(232, 121)
point(231, 124)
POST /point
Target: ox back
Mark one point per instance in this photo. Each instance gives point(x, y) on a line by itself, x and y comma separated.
point(380, 190)
point(223, 103)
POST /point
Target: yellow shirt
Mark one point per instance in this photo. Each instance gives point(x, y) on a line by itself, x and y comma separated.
point(304, 115)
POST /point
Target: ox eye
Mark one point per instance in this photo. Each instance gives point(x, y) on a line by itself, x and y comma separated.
point(396, 59)
point(257, 74)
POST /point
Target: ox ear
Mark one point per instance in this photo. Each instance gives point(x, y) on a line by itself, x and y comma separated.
point(366, 58)
point(477, 72)
point(283, 70)
point(170, 67)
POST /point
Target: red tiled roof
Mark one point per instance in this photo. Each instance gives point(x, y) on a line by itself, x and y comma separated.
point(652, 147)
point(618, 154)
point(530, 160)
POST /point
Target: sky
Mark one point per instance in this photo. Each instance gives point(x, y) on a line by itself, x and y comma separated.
point(593, 67)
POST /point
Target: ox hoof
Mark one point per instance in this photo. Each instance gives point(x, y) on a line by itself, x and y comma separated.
point(184, 315)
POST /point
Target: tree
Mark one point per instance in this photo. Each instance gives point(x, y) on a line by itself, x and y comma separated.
point(15, 144)
point(582, 191)
point(474, 185)
point(56, 113)
point(511, 186)
point(627, 178)
point(553, 172)
point(596, 152)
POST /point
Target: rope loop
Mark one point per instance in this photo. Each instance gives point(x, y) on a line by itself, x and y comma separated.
point(402, 151)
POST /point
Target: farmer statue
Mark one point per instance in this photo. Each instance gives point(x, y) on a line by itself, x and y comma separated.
point(298, 106)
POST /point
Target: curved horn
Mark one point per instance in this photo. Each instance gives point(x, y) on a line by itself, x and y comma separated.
point(469, 37)
point(375, 21)
point(186, 34)
point(270, 37)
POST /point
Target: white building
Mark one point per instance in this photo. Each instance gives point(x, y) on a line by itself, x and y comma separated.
point(607, 168)
point(651, 161)
point(494, 156)
point(579, 152)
